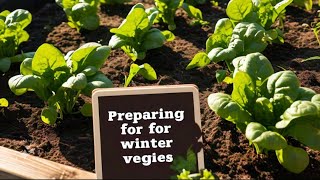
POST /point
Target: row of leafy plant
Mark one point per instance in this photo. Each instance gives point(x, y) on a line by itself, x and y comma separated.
point(267, 107)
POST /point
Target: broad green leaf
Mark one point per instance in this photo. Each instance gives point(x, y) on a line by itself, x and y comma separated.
point(90, 22)
point(20, 84)
point(220, 54)
point(284, 82)
point(47, 60)
point(5, 64)
point(153, 39)
point(26, 67)
point(77, 82)
point(221, 75)
point(199, 60)
point(217, 41)
point(49, 115)
point(137, 20)
point(254, 130)
point(271, 141)
point(224, 26)
point(293, 159)
point(21, 16)
point(305, 94)
point(306, 134)
point(256, 65)
point(4, 102)
point(243, 89)
point(224, 106)
point(299, 109)
point(147, 72)
point(66, 3)
point(99, 80)
point(237, 10)
point(168, 35)
point(79, 56)
point(96, 58)
point(86, 110)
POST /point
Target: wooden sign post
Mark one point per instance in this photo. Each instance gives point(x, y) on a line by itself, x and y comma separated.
point(139, 131)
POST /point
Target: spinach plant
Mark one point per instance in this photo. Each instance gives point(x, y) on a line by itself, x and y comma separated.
point(269, 107)
point(167, 10)
point(135, 36)
point(12, 34)
point(59, 80)
point(247, 30)
point(81, 13)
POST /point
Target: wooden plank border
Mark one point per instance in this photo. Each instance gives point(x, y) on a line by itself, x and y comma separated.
point(17, 165)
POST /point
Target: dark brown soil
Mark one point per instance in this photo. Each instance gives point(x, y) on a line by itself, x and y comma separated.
point(227, 152)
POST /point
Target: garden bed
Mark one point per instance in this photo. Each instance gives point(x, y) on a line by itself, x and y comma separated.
point(227, 151)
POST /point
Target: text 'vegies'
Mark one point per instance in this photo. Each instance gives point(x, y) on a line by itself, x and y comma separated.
point(135, 117)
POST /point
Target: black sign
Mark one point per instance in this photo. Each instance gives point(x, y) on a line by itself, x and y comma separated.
point(138, 132)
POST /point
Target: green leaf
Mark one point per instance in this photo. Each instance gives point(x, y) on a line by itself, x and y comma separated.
point(243, 89)
point(305, 94)
point(199, 60)
point(90, 22)
point(77, 82)
point(26, 67)
point(99, 80)
point(284, 82)
point(86, 110)
point(256, 65)
point(81, 59)
point(306, 134)
point(20, 84)
point(224, 26)
point(237, 10)
point(21, 16)
point(299, 109)
point(4, 102)
point(293, 159)
point(168, 35)
point(271, 141)
point(47, 60)
point(136, 20)
point(224, 106)
point(221, 75)
point(49, 115)
point(5, 64)
point(254, 130)
point(217, 41)
point(21, 57)
point(147, 72)
point(134, 69)
point(153, 39)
